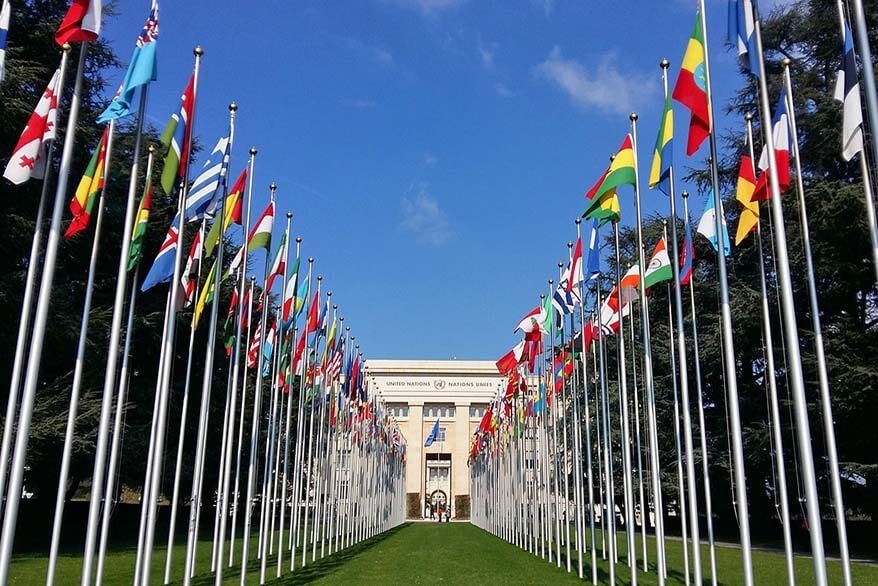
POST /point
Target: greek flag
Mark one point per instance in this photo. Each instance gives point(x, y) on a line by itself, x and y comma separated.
point(201, 199)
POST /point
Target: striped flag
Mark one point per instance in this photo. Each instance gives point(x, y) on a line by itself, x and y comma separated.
point(202, 194)
point(691, 89)
point(740, 33)
point(749, 216)
point(593, 267)
point(687, 256)
point(27, 156)
point(260, 237)
point(290, 295)
point(190, 273)
point(279, 264)
point(231, 213)
point(847, 91)
point(253, 350)
point(782, 141)
point(205, 296)
point(89, 189)
point(141, 220)
point(176, 138)
point(663, 157)
point(5, 13)
point(163, 266)
point(707, 226)
point(81, 23)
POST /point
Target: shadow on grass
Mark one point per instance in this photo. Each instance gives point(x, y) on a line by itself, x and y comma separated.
point(314, 571)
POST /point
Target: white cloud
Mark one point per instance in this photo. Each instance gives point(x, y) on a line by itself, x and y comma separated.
point(503, 90)
point(486, 54)
point(422, 216)
point(606, 87)
point(427, 6)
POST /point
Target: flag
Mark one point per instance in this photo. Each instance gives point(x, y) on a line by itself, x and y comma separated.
point(663, 157)
point(575, 277)
point(847, 91)
point(594, 253)
point(141, 221)
point(205, 296)
point(620, 172)
point(253, 350)
point(313, 323)
point(509, 361)
point(231, 212)
point(202, 194)
point(691, 89)
point(749, 216)
point(606, 209)
point(163, 266)
point(268, 348)
point(288, 306)
point(550, 316)
point(5, 13)
point(707, 226)
point(141, 68)
point(89, 189)
point(434, 434)
point(260, 237)
point(81, 23)
point(176, 139)
point(228, 325)
point(740, 33)
point(630, 288)
point(659, 268)
point(28, 157)
point(531, 322)
point(687, 256)
point(190, 273)
point(279, 264)
point(782, 140)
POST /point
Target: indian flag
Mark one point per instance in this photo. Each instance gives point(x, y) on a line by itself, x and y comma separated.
point(659, 268)
point(89, 189)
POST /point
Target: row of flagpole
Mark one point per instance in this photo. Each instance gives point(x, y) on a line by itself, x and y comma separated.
point(348, 484)
point(521, 412)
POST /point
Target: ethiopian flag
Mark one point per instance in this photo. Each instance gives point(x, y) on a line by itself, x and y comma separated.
point(691, 88)
point(89, 189)
point(231, 211)
point(663, 157)
point(140, 222)
point(749, 216)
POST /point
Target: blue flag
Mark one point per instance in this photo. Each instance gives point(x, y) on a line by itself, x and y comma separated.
point(434, 433)
point(141, 68)
point(162, 269)
point(740, 33)
point(593, 266)
point(707, 226)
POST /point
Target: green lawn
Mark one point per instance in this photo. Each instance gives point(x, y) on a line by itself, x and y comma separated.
point(428, 553)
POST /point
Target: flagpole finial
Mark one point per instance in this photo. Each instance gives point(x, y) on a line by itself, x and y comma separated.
point(560, 264)
point(198, 51)
point(289, 215)
point(685, 194)
point(272, 187)
point(66, 47)
point(298, 239)
point(569, 245)
point(665, 223)
point(310, 259)
point(319, 277)
point(252, 279)
point(542, 295)
point(665, 64)
point(786, 61)
point(551, 281)
point(233, 107)
point(347, 329)
point(633, 117)
point(328, 293)
point(152, 149)
point(577, 221)
point(335, 306)
point(253, 151)
point(748, 116)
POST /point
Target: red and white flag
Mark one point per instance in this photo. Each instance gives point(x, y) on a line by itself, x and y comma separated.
point(81, 23)
point(532, 321)
point(253, 351)
point(28, 157)
point(188, 280)
point(509, 361)
point(575, 277)
point(782, 143)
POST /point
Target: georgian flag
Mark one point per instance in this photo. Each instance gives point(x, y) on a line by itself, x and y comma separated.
point(27, 158)
point(782, 141)
point(81, 23)
point(847, 91)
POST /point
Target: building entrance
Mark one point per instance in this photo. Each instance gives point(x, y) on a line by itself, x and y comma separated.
point(437, 484)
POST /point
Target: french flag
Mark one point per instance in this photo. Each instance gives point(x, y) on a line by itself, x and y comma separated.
point(782, 141)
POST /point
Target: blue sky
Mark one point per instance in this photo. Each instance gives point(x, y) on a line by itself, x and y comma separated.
point(434, 152)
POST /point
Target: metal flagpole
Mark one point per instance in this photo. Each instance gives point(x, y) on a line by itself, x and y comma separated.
point(35, 353)
point(822, 371)
point(310, 439)
point(637, 444)
point(228, 438)
point(726, 317)
point(554, 471)
point(73, 408)
point(564, 443)
point(623, 407)
point(608, 449)
point(30, 281)
point(588, 463)
point(862, 33)
point(771, 371)
point(207, 383)
point(184, 412)
point(794, 358)
point(169, 338)
point(577, 431)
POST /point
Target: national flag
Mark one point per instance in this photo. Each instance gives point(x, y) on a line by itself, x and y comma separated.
point(741, 33)
point(663, 156)
point(782, 141)
point(268, 348)
point(749, 215)
point(575, 267)
point(509, 361)
point(620, 172)
point(279, 264)
point(5, 13)
point(28, 156)
point(847, 91)
point(550, 317)
point(205, 295)
point(593, 266)
point(563, 300)
point(297, 356)
point(691, 89)
point(289, 302)
point(253, 350)
point(176, 138)
point(141, 68)
point(81, 23)
point(260, 236)
point(89, 189)
point(163, 266)
point(531, 322)
point(707, 226)
point(610, 316)
point(190, 274)
point(687, 256)
point(606, 209)
point(228, 326)
point(659, 268)
point(202, 194)
point(230, 211)
point(246, 306)
point(141, 221)
point(313, 323)
point(434, 433)
point(630, 287)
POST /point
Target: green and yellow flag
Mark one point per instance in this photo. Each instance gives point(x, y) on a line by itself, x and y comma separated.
point(606, 209)
point(140, 222)
point(231, 210)
point(663, 157)
point(206, 295)
point(620, 172)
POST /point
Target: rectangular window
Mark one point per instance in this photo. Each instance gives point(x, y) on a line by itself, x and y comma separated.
point(440, 437)
point(451, 411)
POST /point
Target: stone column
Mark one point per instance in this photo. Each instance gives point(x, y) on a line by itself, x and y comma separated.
point(414, 484)
point(459, 470)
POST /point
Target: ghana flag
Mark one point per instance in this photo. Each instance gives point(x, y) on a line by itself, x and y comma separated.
point(89, 189)
point(691, 89)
